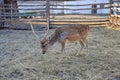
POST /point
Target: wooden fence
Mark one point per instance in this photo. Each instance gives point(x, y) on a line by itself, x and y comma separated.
point(43, 13)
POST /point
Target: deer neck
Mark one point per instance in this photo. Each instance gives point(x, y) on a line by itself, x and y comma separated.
point(53, 39)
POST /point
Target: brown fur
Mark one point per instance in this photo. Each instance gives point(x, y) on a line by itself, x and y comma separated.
point(62, 34)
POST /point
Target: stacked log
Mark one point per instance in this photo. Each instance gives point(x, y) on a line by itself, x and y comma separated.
point(114, 21)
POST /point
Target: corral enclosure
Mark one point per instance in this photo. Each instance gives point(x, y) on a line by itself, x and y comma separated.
point(60, 12)
point(21, 57)
point(20, 52)
point(47, 12)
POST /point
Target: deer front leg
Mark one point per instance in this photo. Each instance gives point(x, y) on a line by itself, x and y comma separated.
point(62, 50)
point(63, 47)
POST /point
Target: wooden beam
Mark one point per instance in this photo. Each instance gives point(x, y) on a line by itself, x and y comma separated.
point(89, 23)
point(111, 11)
point(48, 13)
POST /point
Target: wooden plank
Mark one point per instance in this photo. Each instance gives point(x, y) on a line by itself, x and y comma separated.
point(69, 19)
point(89, 23)
point(79, 20)
point(78, 9)
point(61, 23)
point(78, 4)
point(86, 20)
point(48, 13)
point(79, 16)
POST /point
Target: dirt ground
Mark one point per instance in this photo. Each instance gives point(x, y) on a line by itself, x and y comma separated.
point(21, 57)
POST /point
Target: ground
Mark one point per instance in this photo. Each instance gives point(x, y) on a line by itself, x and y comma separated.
point(21, 57)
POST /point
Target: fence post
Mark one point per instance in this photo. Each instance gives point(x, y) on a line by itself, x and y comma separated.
point(48, 13)
point(2, 14)
point(111, 6)
point(94, 10)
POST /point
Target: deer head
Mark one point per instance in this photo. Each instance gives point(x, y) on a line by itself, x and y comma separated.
point(44, 41)
point(44, 45)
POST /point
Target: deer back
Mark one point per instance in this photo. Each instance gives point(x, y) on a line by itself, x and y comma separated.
point(72, 32)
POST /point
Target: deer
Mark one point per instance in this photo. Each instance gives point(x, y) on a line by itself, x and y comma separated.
point(62, 34)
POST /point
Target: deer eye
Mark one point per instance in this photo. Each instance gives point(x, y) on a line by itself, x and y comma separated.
point(44, 45)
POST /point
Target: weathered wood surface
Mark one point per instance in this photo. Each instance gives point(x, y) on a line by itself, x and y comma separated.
point(71, 19)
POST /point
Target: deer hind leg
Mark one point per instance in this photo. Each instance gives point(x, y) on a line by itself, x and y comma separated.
point(63, 47)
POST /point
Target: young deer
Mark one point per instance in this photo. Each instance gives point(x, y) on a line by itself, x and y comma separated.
point(62, 34)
